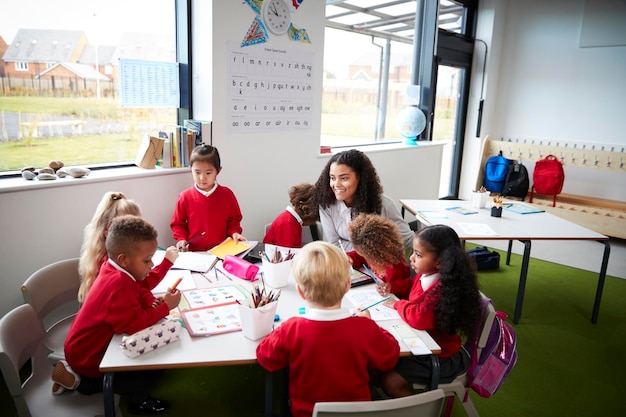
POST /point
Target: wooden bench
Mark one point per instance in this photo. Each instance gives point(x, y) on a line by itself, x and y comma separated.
point(598, 214)
point(32, 129)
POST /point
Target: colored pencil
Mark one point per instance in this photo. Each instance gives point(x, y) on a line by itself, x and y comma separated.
point(376, 303)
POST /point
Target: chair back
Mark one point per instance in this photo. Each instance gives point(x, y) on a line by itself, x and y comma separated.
point(21, 339)
point(425, 404)
point(488, 316)
point(52, 287)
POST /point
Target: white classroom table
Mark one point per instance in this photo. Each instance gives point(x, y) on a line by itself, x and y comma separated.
point(511, 226)
point(217, 350)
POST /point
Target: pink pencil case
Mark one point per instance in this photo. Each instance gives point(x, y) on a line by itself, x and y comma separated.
point(240, 267)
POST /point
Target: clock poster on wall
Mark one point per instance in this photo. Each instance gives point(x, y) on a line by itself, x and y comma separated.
point(270, 88)
point(273, 17)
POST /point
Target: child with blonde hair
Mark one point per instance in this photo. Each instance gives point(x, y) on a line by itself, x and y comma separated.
point(329, 351)
point(378, 246)
point(93, 252)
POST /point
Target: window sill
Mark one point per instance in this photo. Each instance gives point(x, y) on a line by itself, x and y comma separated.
point(382, 147)
point(13, 184)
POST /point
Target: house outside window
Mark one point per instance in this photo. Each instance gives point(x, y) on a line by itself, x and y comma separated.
point(60, 86)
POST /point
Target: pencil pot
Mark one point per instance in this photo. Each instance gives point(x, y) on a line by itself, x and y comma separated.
point(496, 211)
point(479, 200)
point(276, 274)
point(257, 322)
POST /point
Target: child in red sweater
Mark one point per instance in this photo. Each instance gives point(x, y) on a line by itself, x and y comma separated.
point(286, 229)
point(119, 302)
point(206, 213)
point(309, 344)
point(378, 246)
point(444, 300)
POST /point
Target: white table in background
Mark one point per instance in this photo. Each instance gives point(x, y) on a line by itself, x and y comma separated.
point(513, 226)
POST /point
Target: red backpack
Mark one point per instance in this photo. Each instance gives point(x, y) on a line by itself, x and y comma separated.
point(548, 177)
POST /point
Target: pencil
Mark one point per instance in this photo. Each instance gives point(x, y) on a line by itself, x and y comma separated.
point(376, 303)
point(344, 251)
point(207, 278)
point(175, 284)
point(373, 275)
point(161, 248)
point(223, 273)
point(194, 238)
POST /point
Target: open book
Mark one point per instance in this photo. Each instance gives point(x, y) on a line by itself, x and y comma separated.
point(209, 311)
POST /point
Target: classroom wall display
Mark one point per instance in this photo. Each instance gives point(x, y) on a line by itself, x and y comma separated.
point(270, 88)
point(149, 84)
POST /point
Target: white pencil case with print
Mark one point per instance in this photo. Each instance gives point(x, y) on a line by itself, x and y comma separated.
point(151, 338)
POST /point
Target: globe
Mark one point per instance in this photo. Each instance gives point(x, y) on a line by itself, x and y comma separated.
point(411, 122)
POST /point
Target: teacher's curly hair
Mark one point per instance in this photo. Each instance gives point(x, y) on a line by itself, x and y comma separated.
point(368, 195)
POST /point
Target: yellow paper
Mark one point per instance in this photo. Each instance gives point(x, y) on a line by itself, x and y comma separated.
point(229, 247)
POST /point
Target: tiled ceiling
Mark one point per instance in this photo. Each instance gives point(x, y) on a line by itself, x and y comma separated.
point(390, 19)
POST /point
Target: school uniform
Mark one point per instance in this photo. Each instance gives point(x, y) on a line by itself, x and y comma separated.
point(285, 230)
point(418, 312)
point(215, 213)
point(329, 354)
point(116, 304)
point(397, 275)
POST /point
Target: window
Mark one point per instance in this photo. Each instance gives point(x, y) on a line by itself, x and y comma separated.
point(360, 104)
point(70, 79)
point(368, 64)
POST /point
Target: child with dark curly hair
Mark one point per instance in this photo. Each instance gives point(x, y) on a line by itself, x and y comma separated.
point(444, 301)
point(379, 247)
point(348, 186)
point(286, 229)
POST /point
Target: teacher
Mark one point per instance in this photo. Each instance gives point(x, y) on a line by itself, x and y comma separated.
point(348, 186)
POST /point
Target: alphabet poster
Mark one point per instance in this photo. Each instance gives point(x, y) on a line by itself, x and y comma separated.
point(270, 88)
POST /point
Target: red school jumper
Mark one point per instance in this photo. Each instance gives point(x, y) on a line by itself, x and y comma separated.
point(217, 215)
point(116, 304)
point(418, 313)
point(328, 359)
point(398, 275)
point(284, 231)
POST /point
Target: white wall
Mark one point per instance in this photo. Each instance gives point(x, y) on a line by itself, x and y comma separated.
point(542, 85)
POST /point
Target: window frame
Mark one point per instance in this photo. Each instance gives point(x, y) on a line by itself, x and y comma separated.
point(183, 27)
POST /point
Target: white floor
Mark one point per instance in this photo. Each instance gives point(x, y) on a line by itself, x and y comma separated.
point(585, 255)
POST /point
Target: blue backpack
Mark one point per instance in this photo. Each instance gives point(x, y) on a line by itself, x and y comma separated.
point(496, 169)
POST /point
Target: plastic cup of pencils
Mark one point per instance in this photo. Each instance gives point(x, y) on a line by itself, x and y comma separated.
point(257, 322)
point(479, 199)
point(276, 274)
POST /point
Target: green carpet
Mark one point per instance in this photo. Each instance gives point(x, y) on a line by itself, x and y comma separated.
point(566, 367)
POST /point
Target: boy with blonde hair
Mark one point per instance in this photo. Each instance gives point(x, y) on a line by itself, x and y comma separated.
point(328, 350)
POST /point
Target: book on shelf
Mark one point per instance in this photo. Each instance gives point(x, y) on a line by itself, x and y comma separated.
point(522, 208)
point(150, 152)
point(209, 311)
point(200, 130)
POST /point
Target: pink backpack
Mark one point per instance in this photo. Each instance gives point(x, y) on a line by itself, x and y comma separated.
point(487, 372)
